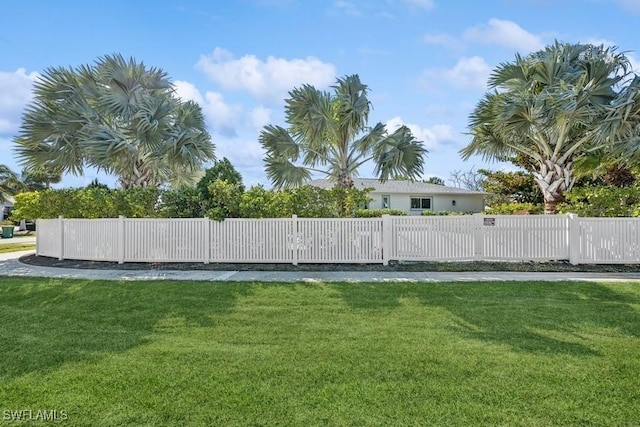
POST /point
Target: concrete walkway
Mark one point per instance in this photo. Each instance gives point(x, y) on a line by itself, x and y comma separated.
point(11, 266)
point(16, 241)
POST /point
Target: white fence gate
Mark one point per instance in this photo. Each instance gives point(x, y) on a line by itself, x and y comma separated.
point(367, 240)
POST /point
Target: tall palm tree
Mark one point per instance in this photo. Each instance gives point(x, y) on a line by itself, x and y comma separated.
point(118, 116)
point(328, 134)
point(551, 108)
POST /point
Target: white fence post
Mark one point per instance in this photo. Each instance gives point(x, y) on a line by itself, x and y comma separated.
point(207, 239)
point(387, 239)
point(478, 237)
point(61, 225)
point(38, 239)
point(574, 239)
point(121, 239)
point(294, 226)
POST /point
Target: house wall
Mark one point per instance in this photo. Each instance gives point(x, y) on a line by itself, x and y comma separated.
point(439, 202)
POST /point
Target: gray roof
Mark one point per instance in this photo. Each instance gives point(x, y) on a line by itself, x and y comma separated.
point(404, 187)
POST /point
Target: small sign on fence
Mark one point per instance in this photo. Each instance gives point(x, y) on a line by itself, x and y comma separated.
point(490, 222)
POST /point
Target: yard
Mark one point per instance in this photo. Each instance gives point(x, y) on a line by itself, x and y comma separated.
point(194, 353)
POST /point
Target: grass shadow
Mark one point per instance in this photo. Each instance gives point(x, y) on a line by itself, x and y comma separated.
point(529, 317)
point(56, 321)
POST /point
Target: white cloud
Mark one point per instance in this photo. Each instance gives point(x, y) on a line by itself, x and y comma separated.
point(505, 33)
point(259, 117)
point(269, 80)
point(468, 73)
point(220, 116)
point(432, 138)
point(15, 94)
point(246, 155)
point(442, 39)
point(188, 92)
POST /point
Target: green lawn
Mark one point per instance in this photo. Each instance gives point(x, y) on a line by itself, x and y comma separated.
point(15, 247)
point(251, 354)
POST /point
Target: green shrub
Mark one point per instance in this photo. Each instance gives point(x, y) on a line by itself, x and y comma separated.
point(514, 208)
point(305, 201)
point(224, 199)
point(257, 202)
point(93, 202)
point(183, 202)
point(376, 213)
point(602, 202)
point(452, 213)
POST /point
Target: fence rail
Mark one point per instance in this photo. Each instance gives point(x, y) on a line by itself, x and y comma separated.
point(367, 240)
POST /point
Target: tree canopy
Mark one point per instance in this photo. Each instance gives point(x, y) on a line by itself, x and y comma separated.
point(221, 170)
point(116, 115)
point(554, 107)
point(328, 134)
point(10, 183)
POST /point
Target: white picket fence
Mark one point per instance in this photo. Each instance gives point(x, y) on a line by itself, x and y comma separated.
point(371, 240)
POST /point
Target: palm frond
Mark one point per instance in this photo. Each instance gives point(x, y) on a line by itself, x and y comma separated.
point(285, 174)
point(278, 142)
point(117, 115)
point(399, 154)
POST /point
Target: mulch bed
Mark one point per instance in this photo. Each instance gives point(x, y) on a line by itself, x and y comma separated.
point(556, 266)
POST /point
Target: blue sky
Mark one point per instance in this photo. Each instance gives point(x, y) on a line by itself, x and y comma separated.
point(426, 62)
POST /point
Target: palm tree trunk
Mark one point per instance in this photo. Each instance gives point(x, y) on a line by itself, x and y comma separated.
point(554, 180)
point(345, 181)
point(140, 176)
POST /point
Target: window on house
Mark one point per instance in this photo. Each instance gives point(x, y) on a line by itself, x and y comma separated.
point(421, 203)
point(386, 202)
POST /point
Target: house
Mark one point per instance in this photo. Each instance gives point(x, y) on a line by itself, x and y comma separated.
point(415, 197)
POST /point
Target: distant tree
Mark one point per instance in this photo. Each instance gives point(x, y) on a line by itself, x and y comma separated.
point(434, 180)
point(219, 191)
point(116, 115)
point(506, 187)
point(35, 180)
point(221, 170)
point(10, 183)
point(328, 134)
point(554, 107)
point(471, 179)
point(97, 184)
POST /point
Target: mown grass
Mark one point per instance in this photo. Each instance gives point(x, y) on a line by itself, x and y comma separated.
point(15, 247)
point(344, 354)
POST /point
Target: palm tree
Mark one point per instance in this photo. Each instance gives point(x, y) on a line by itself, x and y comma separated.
point(328, 134)
point(551, 108)
point(118, 116)
point(10, 183)
point(40, 179)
